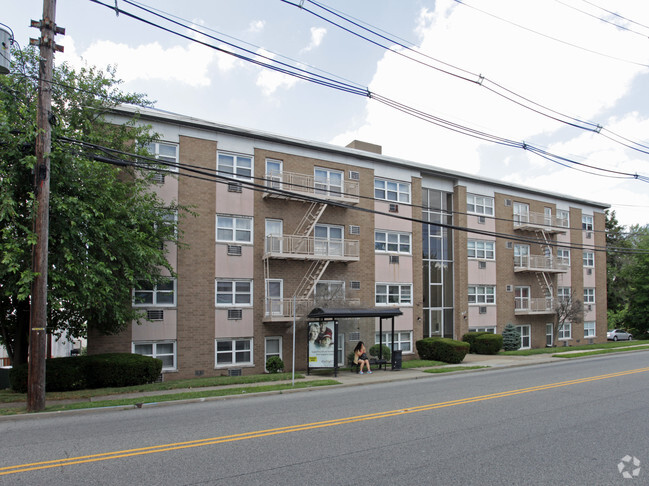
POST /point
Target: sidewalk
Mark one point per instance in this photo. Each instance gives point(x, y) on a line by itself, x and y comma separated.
point(345, 378)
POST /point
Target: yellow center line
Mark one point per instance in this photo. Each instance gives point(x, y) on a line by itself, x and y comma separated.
point(298, 428)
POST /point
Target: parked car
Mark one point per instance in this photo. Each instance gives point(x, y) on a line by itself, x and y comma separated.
point(618, 334)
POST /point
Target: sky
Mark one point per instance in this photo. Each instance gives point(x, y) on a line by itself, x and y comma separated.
point(462, 62)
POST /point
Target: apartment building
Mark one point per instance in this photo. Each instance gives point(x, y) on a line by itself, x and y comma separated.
point(289, 225)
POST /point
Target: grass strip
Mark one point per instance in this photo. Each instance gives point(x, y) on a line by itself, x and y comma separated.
point(584, 347)
point(600, 351)
point(448, 369)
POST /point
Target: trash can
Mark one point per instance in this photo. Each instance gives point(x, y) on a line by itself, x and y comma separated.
point(396, 359)
point(4, 378)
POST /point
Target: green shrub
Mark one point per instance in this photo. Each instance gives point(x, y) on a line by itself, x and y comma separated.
point(442, 349)
point(470, 338)
point(511, 338)
point(18, 378)
point(387, 352)
point(488, 344)
point(61, 374)
point(121, 369)
point(274, 364)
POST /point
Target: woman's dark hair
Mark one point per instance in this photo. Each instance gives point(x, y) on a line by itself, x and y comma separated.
point(358, 346)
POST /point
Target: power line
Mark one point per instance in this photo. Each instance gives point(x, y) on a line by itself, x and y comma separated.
point(616, 25)
point(328, 82)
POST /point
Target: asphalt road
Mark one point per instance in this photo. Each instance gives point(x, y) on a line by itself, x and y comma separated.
point(561, 423)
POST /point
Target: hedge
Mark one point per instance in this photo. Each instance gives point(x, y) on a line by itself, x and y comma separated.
point(442, 349)
point(387, 352)
point(488, 344)
point(95, 371)
point(470, 338)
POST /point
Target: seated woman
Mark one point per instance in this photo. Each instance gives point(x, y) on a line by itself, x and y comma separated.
point(360, 357)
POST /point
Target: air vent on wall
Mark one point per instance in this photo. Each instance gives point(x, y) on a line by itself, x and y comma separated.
point(155, 314)
point(235, 314)
point(234, 250)
point(354, 336)
point(354, 175)
point(482, 264)
point(509, 288)
point(158, 178)
point(394, 258)
point(510, 245)
point(482, 310)
point(355, 284)
point(234, 187)
point(234, 372)
point(354, 229)
point(394, 208)
point(508, 202)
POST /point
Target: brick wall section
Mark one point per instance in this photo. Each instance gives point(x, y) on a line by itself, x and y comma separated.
point(601, 325)
point(417, 267)
point(115, 343)
point(461, 274)
point(196, 263)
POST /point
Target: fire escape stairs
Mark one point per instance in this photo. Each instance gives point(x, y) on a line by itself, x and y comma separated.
point(545, 278)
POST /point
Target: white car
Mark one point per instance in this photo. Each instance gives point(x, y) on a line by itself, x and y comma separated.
point(618, 334)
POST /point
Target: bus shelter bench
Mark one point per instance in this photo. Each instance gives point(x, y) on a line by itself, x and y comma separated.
point(375, 363)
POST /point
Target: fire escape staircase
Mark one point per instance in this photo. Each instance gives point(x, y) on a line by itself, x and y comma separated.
point(545, 278)
point(317, 268)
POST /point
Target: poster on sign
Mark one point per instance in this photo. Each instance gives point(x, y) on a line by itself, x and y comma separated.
point(321, 345)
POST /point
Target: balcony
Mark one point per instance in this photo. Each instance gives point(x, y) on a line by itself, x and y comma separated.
point(540, 221)
point(286, 185)
point(281, 310)
point(534, 306)
point(310, 248)
point(540, 263)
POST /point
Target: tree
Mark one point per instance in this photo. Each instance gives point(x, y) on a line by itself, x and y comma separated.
point(106, 225)
point(566, 309)
point(637, 275)
point(511, 338)
point(617, 262)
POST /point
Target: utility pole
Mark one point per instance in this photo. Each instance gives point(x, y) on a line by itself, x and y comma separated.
point(38, 316)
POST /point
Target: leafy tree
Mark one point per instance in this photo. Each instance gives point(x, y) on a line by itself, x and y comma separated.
point(106, 226)
point(617, 262)
point(637, 274)
point(567, 309)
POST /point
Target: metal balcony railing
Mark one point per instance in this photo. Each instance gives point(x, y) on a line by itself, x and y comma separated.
point(280, 309)
point(533, 221)
point(540, 263)
point(533, 305)
point(309, 247)
point(292, 182)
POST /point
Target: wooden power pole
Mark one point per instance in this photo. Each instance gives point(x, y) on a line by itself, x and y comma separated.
point(38, 316)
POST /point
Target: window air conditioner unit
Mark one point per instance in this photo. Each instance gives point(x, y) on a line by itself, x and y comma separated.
point(354, 229)
point(589, 307)
point(234, 372)
point(394, 208)
point(589, 271)
point(355, 285)
point(234, 187)
point(482, 310)
point(482, 264)
point(481, 220)
point(354, 175)
point(158, 178)
point(235, 314)
point(394, 258)
point(589, 235)
point(510, 245)
point(508, 202)
point(155, 315)
point(509, 288)
point(234, 250)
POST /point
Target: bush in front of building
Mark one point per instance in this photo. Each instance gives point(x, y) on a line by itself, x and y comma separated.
point(511, 338)
point(97, 371)
point(387, 352)
point(274, 364)
point(121, 369)
point(488, 344)
point(470, 337)
point(442, 349)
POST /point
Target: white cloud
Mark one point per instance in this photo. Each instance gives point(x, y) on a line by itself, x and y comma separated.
point(270, 81)
point(317, 34)
point(554, 74)
point(256, 26)
point(187, 65)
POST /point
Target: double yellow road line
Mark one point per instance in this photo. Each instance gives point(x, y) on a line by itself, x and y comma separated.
point(297, 428)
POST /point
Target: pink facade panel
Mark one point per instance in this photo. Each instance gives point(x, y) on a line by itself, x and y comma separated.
point(233, 328)
point(393, 272)
point(482, 276)
point(156, 330)
point(229, 266)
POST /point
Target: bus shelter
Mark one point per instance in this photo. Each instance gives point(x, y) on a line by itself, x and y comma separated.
point(326, 355)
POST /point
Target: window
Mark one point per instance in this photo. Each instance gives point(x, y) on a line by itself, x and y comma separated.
point(549, 335)
point(273, 348)
point(274, 173)
point(162, 350)
point(392, 191)
point(389, 294)
point(393, 242)
point(274, 238)
point(526, 336)
point(233, 292)
point(565, 331)
point(521, 298)
point(563, 293)
point(521, 255)
point(587, 222)
point(402, 340)
point(162, 294)
point(480, 204)
point(233, 229)
point(274, 297)
point(482, 294)
point(167, 152)
point(563, 256)
point(233, 351)
point(329, 290)
point(480, 249)
point(563, 218)
point(328, 181)
point(589, 295)
point(589, 259)
point(236, 166)
point(589, 329)
point(521, 213)
point(328, 239)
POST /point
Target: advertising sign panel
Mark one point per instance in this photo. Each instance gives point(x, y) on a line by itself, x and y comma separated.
point(321, 344)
